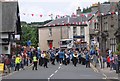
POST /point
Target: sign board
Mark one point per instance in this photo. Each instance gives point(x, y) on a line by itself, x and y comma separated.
point(1, 67)
point(17, 37)
point(29, 43)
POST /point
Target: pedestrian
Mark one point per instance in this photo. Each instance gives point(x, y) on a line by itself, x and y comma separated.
point(42, 59)
point(17, 62)
point(57, 56)
point(61, 56)
point(8, 64)
point(108, 61)
point(116, 63)
point(35, 60)
point(52, 56)
point(46, 59)
point(75, 58)
point(22, 62)
point(111, 62)
point(87, 60)
point(79, 56)
point(67, 57)
point(13, 63)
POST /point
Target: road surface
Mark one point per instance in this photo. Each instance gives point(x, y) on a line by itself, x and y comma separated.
point(57, 72)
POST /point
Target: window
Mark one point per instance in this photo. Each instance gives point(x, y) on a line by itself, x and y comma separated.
point(112, 26)
point(74, 30)
point(50, 31)
point(106, 26)
point(113, 44)
point(96, 26)
point(82, 31)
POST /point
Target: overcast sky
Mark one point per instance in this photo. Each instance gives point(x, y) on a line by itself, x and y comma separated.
point(47, 7)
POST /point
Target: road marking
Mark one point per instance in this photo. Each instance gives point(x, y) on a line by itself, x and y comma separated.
point(95, 69)
point(104, 75)
point(56, 71)
point(51, 75)
point(104, 78)
point(48, 79)
point(59, 67)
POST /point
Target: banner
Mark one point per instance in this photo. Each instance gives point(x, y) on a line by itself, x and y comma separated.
point(1, 67)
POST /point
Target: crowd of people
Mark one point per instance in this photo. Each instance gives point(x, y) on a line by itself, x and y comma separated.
point(36, 57)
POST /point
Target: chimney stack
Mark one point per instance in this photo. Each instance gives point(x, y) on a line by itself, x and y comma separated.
point(78, 11)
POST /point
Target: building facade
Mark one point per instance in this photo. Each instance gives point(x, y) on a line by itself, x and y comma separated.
point(74, 27)
point(9, 25)
point(107, 24)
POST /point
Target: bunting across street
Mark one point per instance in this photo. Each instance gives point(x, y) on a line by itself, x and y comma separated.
point(73, 14)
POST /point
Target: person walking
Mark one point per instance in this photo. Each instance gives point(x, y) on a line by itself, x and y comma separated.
point(8, 63)
point(61, 56)
point(17, 62)
point(46, 59)
point(42, 59)
point(35, 60)
point(13, 63)
point(87, 60)
point(75, 58)
point(52, 54)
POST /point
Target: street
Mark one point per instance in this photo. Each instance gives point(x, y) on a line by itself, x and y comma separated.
point(57, 72)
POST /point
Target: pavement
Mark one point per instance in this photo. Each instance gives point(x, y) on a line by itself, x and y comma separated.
point(57, 72)
point(108, 74)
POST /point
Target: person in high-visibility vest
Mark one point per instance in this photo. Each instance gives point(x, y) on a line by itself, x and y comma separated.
point(34, 62)
point(17, 62)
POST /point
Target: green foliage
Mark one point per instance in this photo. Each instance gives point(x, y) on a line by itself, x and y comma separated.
point(118, 47)
point(40, 23)
point(29, 33)
point(87, 10)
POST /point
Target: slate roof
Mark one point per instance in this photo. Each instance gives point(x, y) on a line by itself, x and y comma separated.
point(105, 8)
point(78, 20)
point(8, 16)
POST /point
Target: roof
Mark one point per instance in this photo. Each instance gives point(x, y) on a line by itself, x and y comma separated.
point(105, 8)
point(8, 20)
point(78, 20)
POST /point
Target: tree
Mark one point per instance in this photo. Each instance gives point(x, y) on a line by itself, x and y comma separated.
point(87, 10)
point(30, 32)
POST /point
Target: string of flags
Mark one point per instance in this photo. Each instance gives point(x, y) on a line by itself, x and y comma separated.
point(73, 23)
point(73, 15)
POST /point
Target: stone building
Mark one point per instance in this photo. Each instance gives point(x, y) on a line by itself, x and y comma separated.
point(74, 27)
point(93, 26)
point(107, 24)
point(9, 25)
point(117, 34)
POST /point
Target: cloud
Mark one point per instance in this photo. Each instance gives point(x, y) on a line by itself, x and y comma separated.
point(46, 7)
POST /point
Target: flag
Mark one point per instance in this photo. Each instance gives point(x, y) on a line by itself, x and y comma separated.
point(82, 15)
point(99, 14)
point(73, 15)
point(112, 13)
point(32, 14)
point(40, 15)
point(89, 15)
